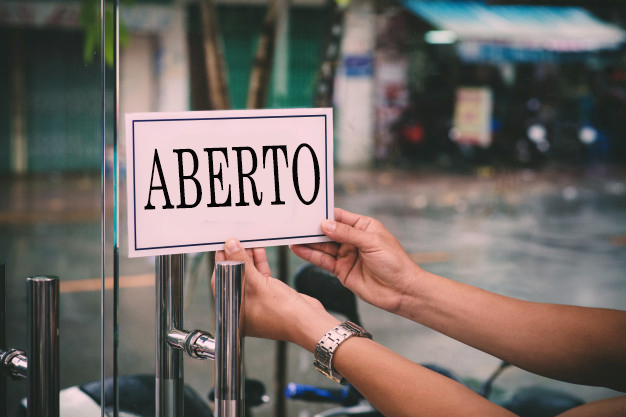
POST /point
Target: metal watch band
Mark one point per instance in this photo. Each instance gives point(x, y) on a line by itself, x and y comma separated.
point(328, 344)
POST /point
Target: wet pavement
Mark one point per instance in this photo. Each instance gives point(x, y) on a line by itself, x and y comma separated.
point(554, 235)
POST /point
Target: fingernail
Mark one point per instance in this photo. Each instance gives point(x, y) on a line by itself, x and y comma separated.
point(233, 245)
point(329, 225)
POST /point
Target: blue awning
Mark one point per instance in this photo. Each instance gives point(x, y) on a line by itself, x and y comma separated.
point(533, 29)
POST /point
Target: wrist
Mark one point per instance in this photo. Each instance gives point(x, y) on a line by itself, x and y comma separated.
point(328, 345)
point(413, 295)
point(311, 327)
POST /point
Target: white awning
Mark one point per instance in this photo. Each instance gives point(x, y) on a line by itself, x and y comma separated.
point(548, 28)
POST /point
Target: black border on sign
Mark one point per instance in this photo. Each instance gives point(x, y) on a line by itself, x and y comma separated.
point(227, 118)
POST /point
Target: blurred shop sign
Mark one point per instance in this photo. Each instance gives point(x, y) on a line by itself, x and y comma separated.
point(142, 17)
point(359, 65)
point(472, 116)
point(196, 179)
point(40, 14)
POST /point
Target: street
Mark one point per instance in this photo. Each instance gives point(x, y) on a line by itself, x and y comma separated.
point(554, 235)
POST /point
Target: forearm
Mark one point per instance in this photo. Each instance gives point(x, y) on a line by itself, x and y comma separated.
point(393, 384)
point(574, 344)
point(612, 407)
point(398, 387)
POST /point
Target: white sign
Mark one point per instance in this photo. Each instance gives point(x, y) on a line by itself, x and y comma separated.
point(472, 116)
point(196, 179)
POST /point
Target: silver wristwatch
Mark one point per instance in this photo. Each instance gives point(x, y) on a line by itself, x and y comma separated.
point(328, 344)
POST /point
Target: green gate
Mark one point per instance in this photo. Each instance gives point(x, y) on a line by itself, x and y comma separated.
point(240, 27)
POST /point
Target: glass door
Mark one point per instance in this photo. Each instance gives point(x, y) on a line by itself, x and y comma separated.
point(52, 130)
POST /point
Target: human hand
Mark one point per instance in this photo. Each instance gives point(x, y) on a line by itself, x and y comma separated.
point(272, 309)
point(365, 257)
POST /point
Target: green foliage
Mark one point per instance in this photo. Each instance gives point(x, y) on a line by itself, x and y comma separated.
point(90, 21)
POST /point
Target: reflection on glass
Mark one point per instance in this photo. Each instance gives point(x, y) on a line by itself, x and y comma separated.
point(50, 119)
point(488, 138)
point(508, 98)
point(164, 68)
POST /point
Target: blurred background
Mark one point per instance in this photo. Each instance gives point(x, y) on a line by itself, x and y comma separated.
point(488, 136)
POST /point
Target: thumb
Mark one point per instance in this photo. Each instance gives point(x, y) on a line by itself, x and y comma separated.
point(342, 233)
point(234, 251)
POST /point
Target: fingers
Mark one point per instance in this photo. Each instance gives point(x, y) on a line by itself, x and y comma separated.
point(346, 217)
point(234, 251)
point(260, 261)
point(316, 257)
point(330, 248)
point(345, 233)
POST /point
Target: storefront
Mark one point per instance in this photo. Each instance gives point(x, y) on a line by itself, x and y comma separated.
point(533, 65)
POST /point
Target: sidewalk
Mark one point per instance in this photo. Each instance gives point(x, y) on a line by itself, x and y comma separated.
point(555, 236)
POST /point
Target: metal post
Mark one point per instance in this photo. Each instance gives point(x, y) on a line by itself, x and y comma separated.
point(43, 343)
point(169, 316)
point(3, 340)
point(229, 332)
point(280, 371)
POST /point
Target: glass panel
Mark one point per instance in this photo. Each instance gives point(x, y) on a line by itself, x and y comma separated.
point(497, 162)
point(50, 160)
point(163, 69)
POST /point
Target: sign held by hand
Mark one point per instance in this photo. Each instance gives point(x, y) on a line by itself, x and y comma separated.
point(195, 179)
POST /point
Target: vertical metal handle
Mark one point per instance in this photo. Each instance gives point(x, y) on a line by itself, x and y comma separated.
point(169, 316)
point(3, 340)
point(229, 332)
point(43, 344)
